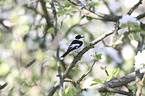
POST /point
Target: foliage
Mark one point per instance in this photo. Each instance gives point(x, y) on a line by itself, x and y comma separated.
point(35, 33)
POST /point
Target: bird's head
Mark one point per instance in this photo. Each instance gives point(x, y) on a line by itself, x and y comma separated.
point(79, 36)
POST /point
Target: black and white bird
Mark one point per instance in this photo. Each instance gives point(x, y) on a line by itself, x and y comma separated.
point(76, 45)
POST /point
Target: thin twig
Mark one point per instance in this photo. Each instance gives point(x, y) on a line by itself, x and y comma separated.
point(88, 13)
point(5, 26)
point(30, 28)
point(33, 9)
point(59, 70)
point(123, 92)
point(116, 27)
point(47, 17)
point(69, 29)
point(113, 39)
point(134, 7)
point(57, 50)
point(30, 63)
point(84, 75)
point(105, 44)
point(102, 16)
point(140, 44)
point(73, 26)
point(77, 83)
point(72, 81)
point(105, 2)
point(54, 16)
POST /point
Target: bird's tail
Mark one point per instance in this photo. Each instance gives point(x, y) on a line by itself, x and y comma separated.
point(66, 53)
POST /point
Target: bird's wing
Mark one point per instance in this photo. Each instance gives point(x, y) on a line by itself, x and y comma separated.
point(74, 45)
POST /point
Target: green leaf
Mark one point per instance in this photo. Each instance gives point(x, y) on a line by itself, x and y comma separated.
point(60, 13)
point(11, 92)
point(135, 26)
point(88, 18)
point(51, 30)
point(67, 4)
point(97, 80)
point(93, 84)
point(4, 69)
point(97, 56)
point(102, 67)
point(142, 31)
point(74, 11)
point(116, 72)
point(60, 6)
point(48, 7)
point(123, 25)
point(110, 77)
point(106, 72)
point(66, 90)
point(97, 4)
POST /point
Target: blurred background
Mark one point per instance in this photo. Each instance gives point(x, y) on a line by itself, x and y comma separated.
point(28, 46)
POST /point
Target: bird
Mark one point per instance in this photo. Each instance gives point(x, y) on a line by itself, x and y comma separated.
point(76, 45)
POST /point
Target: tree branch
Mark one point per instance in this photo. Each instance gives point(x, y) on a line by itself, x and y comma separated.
point(134, 7)
point(6, 27)
point(141, 16)
point(102, 16)
point(3, 86)
point(34, 9)
point(59, 70)
point(115, 90)
point(111, 85)
point(57, 50)
point(78, 57)
point(88, 13)
point(48, 20)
